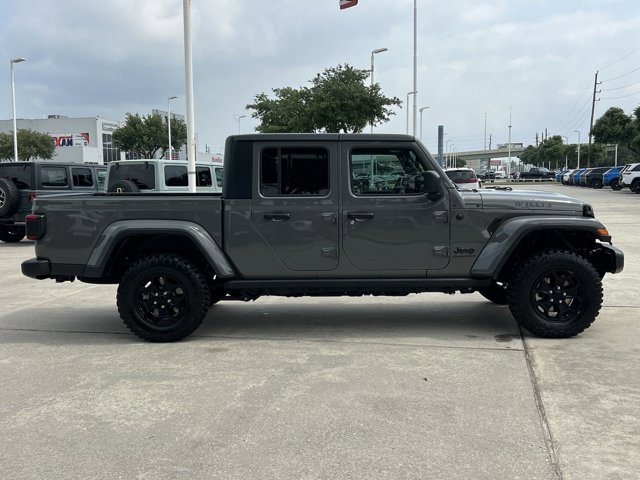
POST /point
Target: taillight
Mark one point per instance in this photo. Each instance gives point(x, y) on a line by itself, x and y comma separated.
point(31, 196)
point(35, 226)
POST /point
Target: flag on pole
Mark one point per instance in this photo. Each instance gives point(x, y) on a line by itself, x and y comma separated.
point(347, 3)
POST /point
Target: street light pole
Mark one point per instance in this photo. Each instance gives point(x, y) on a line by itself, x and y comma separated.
point(169, 125)
point(188, 80)
point(578, 132)
point(415, 66)
point(485, 130)
point(423, 108)
point(410, 93)
point(13, 105)
point(238, 117)
point(374, 52)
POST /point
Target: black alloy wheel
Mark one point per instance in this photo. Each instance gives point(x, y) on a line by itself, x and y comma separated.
point(615, 185)
point(163, 298)
point(635, 186)
point(556, 294)
point(597, 183)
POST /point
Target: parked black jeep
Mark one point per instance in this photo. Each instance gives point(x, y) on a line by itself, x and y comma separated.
point(21, 182)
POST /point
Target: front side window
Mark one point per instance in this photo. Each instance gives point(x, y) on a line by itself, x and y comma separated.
point(385, 171)
point(101, 177)
point(294, 171)
point(53, 177)
point(82, 177)
point(219, 176)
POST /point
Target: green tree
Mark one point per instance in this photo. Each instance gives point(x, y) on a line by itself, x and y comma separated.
point(31, 145)
point(616, 127)
point(146, 135)
point(337, 101)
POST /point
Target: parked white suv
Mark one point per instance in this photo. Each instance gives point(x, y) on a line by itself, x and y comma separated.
point(161, 176)
point(465, 178)
point(630, 176)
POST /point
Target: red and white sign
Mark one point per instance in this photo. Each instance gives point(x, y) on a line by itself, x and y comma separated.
point(71, 139)
point(347, 3)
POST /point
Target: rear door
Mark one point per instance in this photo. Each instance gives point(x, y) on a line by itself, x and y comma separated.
point(295, 202)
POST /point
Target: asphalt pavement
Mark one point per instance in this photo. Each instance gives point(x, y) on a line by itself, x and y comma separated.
point(423, 386)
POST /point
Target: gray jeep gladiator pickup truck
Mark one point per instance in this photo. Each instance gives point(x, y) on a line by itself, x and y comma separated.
point(321, 215)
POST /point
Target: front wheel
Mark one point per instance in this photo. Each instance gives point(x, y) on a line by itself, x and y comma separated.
point(635, 186)
point(596, 184)
point(615, 185)
point(11, 233)
point(163, 298)
point(555, 294)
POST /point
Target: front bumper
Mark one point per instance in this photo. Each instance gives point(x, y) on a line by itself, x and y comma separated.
point(614, 256)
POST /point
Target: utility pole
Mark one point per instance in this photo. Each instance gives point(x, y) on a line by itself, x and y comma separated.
point(593, 108)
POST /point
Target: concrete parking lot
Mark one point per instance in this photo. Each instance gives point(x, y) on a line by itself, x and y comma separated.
point(425, 386)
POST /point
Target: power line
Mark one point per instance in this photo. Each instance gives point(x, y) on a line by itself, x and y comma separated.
point(623, 75)
point(623, 96)
point(620, 88)
point(571, 109)
point(620, 59)
point(585, 108)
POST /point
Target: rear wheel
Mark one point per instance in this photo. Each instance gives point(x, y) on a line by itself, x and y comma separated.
point(9, 197)
point(615, 185)
point(635, 186)
point(596, 183)
point(555, 294)
point(163, 298)
point(11, 233)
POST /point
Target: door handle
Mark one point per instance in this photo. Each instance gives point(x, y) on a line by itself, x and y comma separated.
point(277, 217)
point(360, 215)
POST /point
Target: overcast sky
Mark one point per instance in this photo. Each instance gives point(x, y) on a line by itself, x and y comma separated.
point(111, 57)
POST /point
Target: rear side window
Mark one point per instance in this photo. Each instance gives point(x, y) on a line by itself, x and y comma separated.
point(54, 177)
point(19, 174)
point(176, 176)
point(142, 174)
point(82, 177)
point(294, 171)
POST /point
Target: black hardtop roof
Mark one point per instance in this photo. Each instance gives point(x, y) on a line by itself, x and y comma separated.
point(265, 137)
point(54, 163)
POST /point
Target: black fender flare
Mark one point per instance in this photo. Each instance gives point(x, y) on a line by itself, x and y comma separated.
point(509, 234)
point(118, 231)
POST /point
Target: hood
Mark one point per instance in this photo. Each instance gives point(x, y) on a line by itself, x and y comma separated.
point(548, 202)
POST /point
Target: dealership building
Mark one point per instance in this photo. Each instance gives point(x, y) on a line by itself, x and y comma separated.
point(80, 140)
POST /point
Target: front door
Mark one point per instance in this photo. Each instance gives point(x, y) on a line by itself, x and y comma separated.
point(389, 223)
point(295, 209)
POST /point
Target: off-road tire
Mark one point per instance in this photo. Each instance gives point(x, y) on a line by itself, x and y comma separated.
point(615, 185)
point(495, 293)
point(12, 233)
point(554, 315)
point(123, 186)
point(9, 197)
point(163, 298)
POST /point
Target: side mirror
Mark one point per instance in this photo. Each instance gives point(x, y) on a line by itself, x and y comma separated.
point(431, 185)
